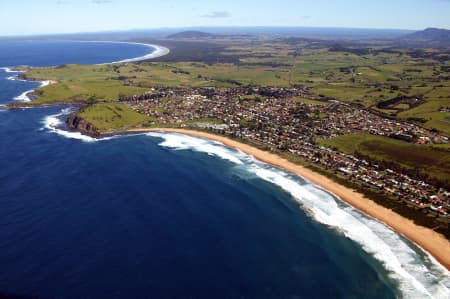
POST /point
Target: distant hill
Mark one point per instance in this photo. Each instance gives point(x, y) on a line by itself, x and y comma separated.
point(430, 37)
point(191, 34)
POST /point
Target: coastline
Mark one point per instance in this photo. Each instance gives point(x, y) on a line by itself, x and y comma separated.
point(432, 242)
point(159, 51)
point(23, 97)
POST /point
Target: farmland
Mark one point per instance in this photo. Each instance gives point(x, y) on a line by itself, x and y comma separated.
point(112, 116)
point(433, 161)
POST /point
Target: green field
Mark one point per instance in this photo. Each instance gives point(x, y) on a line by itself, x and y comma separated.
point(79, 83)
point(432, 160)
point(112, 116)
point(85, 91)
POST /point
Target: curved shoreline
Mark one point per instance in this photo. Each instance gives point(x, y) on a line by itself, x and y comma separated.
point(159, 51)
point(429, 240)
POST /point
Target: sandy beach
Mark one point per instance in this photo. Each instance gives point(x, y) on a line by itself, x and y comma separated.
point(158, 52)
point(436, 244)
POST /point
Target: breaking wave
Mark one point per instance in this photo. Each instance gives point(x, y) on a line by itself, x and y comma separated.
point(8, 70)
point(54, 123)
point(14, 78)
point(192, 143)
point(23, 97)
point(45, 83)
point(417, 274)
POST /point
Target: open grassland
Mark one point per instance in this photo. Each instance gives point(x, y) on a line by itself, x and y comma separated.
point(432, 160)
point(112, 116)
point(85, 91)
point(77, 83)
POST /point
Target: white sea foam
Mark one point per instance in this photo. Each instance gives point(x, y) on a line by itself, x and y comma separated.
point(157, 52)
point(9, 70)
point(23, 97)
point(15, 78)
point(54, 123)
point(45, 83)
point(184, 142)
point(417, 275)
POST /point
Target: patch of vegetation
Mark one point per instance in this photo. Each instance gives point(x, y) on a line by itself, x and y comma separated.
point(430, 160)
point(112, 116)
point(85, 91)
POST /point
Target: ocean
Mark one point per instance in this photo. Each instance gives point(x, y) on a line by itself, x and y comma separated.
point(162, 215)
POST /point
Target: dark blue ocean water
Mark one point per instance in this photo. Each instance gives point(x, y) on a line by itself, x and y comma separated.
point(169, 216)
point(52, 53)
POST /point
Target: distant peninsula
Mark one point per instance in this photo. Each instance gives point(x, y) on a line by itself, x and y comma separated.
point(191, 35)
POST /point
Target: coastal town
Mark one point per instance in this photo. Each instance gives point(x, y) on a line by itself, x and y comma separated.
point(280, 119)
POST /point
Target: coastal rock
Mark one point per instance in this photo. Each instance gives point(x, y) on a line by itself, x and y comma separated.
point(77, 123)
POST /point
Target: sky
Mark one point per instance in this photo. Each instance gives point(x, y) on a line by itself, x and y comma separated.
point(29, 17)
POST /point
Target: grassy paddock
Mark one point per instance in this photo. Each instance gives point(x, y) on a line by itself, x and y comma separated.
point(112, 116)
point(431, 160)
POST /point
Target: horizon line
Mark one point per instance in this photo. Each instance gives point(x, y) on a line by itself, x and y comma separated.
point(206, 27)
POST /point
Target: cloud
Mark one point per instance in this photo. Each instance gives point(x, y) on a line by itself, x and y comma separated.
point(62, 2)
point(217, 15)
point(101, 1)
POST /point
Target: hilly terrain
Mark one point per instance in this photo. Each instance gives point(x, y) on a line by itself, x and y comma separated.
point(430, 37)
point(191, 34)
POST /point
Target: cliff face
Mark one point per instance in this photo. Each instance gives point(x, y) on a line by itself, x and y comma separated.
point(81, 125)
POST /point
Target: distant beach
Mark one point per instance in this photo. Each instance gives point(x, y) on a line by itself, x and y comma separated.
point(158, 52)
point(429, 240)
